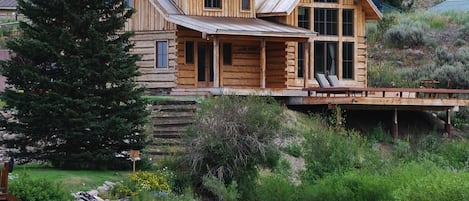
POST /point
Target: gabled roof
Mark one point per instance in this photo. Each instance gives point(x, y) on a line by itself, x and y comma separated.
point(266, 8)
point(239, 26)
point(228, 25)
point(8, 4)
point(451, 5)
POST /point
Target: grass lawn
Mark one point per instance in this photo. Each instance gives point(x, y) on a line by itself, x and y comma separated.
point(72, 180)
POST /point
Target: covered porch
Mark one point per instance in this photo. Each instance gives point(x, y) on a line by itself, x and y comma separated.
point(235, 53)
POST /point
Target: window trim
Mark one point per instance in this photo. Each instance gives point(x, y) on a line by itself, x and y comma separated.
point(243, 8)
point(157, 54)
point(211, 7)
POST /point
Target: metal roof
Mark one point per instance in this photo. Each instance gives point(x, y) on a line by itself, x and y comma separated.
point(167, 7)
point(8, 4)
point(285, 7)
point(275, 7)
point(451, 5)
point(239, 26)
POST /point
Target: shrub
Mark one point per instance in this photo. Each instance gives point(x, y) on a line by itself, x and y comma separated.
point(294, 150)
point(217, 187)
point(140, 182)
point(456, 152)
point(231, 136)
point(276, 188)
point(463, 32)
point(329, 152)
point(383, 76)
point(28, 189)
point(407, 33)
point(452, 75)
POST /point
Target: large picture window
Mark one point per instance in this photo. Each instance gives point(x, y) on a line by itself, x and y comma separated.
point(325, 21)
point(304, 17)
point(301, 59)
point(347, 18)
point(161, 53)
point(325, 57)
point(246, 4)
point(347, 61)
point(212, 3)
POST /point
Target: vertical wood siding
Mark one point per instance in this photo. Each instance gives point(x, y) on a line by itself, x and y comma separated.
point(230, 8)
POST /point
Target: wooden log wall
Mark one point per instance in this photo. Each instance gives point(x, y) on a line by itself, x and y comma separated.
point(245, 68)
point(276, 73)
point(230, 8)
point(186, 73)
point(147, 18)
point(154, 78)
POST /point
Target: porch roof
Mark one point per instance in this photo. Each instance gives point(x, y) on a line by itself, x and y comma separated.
point(239, 26)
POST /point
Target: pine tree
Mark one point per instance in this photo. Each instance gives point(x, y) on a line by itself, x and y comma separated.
point(76, 102)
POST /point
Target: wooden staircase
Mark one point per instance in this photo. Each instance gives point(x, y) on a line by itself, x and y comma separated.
point(169, 120)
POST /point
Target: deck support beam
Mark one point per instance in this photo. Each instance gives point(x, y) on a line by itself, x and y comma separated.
point(448, 123)
point(263, 63)
point(216, 62)
point(395, 125)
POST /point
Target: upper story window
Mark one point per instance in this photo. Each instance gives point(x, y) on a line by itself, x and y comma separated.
point(326, 21)
point(246, 4)
point(212, 3)
point(304, 17)
point(347, 16)
point(326, 1)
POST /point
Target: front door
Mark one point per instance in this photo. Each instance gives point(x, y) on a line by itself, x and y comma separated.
point(205, 64)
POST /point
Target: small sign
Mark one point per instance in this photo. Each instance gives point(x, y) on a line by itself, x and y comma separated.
point(134, 154)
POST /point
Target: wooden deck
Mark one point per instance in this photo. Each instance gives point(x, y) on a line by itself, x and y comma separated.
point(386, 98)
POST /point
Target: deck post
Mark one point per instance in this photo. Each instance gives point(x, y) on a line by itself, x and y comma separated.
point(216, 62)
point(263, 63)
point(395, 125)
point(448, 123)
point(306, 64)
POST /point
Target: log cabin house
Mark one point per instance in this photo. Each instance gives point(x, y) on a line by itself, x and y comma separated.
point(268, 47)
point(249, 44)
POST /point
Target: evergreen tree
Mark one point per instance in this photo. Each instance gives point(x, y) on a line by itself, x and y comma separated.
point(75, 98)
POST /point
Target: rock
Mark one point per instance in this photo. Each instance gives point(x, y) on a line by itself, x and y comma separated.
point(85, 196)
point(102, 189)
point(109, 184)
point(93, 192)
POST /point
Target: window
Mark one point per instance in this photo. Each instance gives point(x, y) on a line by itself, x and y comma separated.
point(325, 57)
point(130, 3)
point(161, 54)
point(325, 21)
point(303, 17)
point(347, 61)
point(227, 54)
point(246, 4)
point(212, 3)
point(189, 52)
point(327, 1)
point(301, 59)
point(347, 16)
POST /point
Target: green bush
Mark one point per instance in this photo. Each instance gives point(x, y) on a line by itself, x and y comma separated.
point(463, 32)
point(407, 34)
point(231, 137)
point(294, 150)
point(329, 152)
point(217, 187)
point(27, 189)
point(276, 188)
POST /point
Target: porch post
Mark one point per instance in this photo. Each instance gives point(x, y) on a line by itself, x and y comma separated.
point(395, 125)
point(216, 62)
point(306, 64)
point(448, 123)
point(263, 63)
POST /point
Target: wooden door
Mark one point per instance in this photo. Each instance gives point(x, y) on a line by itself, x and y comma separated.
point(205, 64)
